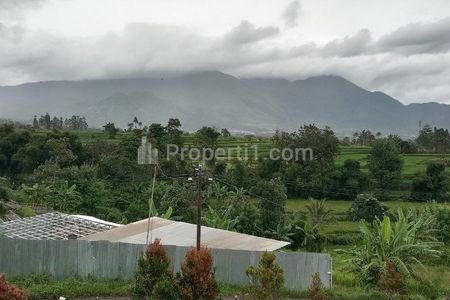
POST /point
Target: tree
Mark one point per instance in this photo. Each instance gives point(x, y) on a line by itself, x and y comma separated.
point(272, 202)
point(365, 138)
point(174, 132)
point(317, 212)
point(59, 151)
point(433, 185)
point(111, 130)
point(206, 137)
point(249, 220)
point(180, 197)
point(366, 207)
point(35, 123)
point(307, 177)
point(225, 132)
point(157, 133)
point(352, 180)
point(385, 165)
point(76, 123)
point(11, 142)
point(441, 140)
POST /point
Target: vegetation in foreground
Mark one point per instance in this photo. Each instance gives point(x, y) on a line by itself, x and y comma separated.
point(57, 170)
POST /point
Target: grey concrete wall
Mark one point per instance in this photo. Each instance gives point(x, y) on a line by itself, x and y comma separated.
point(106, 260)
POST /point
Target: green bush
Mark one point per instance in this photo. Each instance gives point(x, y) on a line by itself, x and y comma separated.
point(441, 214)
point(165, 289)
point(27, 212)
point(266, 280)
point(432, 185)
point(366, 207)
point(152, 268)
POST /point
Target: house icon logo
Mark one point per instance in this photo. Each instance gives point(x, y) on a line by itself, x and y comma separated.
point(147, 155)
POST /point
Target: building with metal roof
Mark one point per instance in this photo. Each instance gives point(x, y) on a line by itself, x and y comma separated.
point(54, 226)
point(184, 234)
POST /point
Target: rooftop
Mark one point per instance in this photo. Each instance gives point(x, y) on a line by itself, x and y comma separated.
point(184, 234)
point(54, 226)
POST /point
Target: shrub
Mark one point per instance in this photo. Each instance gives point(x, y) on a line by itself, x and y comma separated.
point(366, 207)
point(165, 289)
point(197, 280)
point(27, 212)
point(266, 279)
point(272, 203)
point(313, 241)
point(391, 281)
point(315, 290)
point(441, 215)
point(9, 291)
point(432, 185)
point(152, 267)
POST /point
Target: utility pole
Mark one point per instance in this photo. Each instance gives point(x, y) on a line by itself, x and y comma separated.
point(200, 176)
point(199, 205)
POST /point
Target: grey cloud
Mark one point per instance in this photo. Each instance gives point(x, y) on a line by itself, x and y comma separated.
point(246, 33)
point(150, 49)
point(419, 38)
point(14, 9)
point(291, 14)
point(350, 45)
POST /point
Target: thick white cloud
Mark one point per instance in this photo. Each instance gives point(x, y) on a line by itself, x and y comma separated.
point(409, 63)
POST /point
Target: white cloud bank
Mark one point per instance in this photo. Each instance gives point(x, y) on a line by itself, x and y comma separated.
point(410, 63)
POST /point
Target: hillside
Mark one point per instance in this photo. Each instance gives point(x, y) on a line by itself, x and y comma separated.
point(214, 98)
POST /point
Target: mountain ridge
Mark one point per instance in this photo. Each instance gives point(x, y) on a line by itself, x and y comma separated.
point(217, 99)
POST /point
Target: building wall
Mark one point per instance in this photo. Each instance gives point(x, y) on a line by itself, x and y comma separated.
point(106, 260)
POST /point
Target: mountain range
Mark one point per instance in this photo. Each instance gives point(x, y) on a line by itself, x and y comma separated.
point(217, 99)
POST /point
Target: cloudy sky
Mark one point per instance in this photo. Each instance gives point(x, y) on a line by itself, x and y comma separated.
point(401, 47)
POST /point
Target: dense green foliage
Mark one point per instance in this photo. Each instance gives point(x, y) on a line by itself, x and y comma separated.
point(406, 243)
point(96, 173)
point(152, 274)
point(432, 185)
point(366, 207)
point(266, 280)
point(385, 165)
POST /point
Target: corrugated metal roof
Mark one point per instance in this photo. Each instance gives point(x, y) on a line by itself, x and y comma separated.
point(184, 234)
point(54, 226)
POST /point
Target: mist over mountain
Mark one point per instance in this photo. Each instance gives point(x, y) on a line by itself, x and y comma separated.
point(224, 101)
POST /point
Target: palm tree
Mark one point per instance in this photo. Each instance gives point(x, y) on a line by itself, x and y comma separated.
point(317, 212)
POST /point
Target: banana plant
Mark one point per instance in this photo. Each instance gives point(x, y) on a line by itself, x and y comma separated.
point(406, 243)
point(220, 219)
